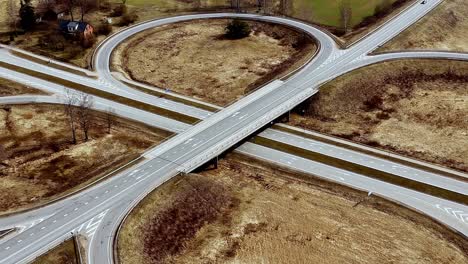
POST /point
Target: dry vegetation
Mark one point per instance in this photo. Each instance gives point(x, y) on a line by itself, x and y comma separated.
point(194, 58)
point(46, 40)
point(443, 29)
point(64, 254)
point(8, 88)
point(250, 212)
point(418, 108)
point(39, 162)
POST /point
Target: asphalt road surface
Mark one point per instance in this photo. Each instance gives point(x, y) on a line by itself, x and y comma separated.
point(99, 209)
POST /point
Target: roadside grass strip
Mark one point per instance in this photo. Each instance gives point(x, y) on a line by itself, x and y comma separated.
point(103, 94)
point(172, 97)
point(363, 170)
point(66, 252)
point(371, 153)
point(129, 162)
point(52, 65)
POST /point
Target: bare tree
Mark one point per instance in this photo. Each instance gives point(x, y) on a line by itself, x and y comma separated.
point(70, 5)
point(235, 4)
point(85, 115)
point(265, 5)
point(86, 6)
point(346, 13)
point(110, 119)
point(285, 7)
point(69, 104)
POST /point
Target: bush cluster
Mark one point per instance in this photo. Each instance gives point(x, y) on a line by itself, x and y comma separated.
point(237, 29)
point(199, 203)
point(119, 10)
point(128, 19)
point(104, 28)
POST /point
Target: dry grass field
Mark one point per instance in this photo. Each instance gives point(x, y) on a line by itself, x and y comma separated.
point(418, 108)
point(64, 253)
point(247, 211)
point(39, 162)
point(443, 29)
point(193, 58)
point(8, 88)
point(44, 39)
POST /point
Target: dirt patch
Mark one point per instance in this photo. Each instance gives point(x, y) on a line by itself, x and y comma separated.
point(8, 88)
point(193, 58)
point(414, 107)
point(64, 253)
point(443, 29)
point(284, 217)
point(39, 162)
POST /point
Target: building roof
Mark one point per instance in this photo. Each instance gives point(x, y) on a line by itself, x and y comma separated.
point(72, 26)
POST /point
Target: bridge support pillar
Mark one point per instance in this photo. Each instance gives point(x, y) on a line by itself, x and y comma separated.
point(284, 118)
point(212, 164)
point(215, 162)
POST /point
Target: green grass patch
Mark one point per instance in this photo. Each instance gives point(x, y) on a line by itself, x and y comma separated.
point(171, 4)
point(327, 12)
point(363, 170)
point(103, 94)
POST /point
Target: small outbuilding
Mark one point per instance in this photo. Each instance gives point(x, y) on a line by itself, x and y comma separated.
point(77, 29)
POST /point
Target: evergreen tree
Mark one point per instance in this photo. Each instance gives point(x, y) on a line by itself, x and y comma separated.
point(27, 16)
point(237, 29)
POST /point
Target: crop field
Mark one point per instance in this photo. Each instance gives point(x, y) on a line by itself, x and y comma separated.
point(326, 12)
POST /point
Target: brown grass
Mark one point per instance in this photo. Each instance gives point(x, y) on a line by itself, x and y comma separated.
point(41, 164)
point(103, 94)
point(443, 29)
point(8, 88)
point(364, 170)
point(285, 217)
point(200, 202)
point(193, 58)
point(64, 253)
point(73, 53)
point(415, 107)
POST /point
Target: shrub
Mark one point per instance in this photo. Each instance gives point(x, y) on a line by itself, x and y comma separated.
point(198, 202)
point(27, 15)
point(375, 102)
point(88, 42)
point(119, 10)
point(104, 28)
point(52, 41)
point(128, 19)
point(104, 6)
point(237, 29)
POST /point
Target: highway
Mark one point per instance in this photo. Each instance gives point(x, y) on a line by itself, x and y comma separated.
point(357, 157)
point(110, 200)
